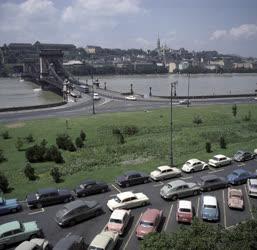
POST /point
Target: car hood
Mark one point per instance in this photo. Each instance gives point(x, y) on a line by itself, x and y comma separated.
point(236, 202)
point(112, 204)
point(185, 166)
point(11, 202)
point(115, 227)
point(213, 161)
point(59, 215)
point(165, 189)
point(144, 230)
point(31, 226)
point(238, 156)
point(155, 173)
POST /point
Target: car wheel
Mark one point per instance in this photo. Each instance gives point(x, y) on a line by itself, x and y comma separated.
point(145, 181)
point(3, 247)
point(104, 190)
point(83, 195)
point(144, 204)
point(174, 197)
point(98, 212)
point(192, 170)
point(72, 223)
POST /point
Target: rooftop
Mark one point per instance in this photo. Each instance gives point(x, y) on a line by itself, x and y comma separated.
point(185, 204)
point(209, 200)
point(9, 226)
point(162, 168)
point(150, 214)
point(125, 195)
point(101, 240)
point(118, 214)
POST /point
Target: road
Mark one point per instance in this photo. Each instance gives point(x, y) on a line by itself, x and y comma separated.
point(89, 228)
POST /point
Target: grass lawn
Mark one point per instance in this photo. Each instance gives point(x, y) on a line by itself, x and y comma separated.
point(104, 157)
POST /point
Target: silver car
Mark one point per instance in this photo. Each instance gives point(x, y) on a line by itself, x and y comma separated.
point(178, 189)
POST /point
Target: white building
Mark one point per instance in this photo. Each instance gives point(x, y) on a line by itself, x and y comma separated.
point(217, 62)
point(183, 65)
point(172, 67)
point(245, 65)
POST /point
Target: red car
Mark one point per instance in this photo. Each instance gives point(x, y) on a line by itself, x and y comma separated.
point(149, 222)
point(184, 211)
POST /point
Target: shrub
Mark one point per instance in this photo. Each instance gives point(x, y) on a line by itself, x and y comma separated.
point(19, 144)
point(56, 174)
point(4, 184)
point(197, 120)
point(130, 130)
point(29, 172)
point(64, 142)
point(53, 154)
point(36, 153)
point(234, 110)
point(82, 135)
point(6, 135)
point(29, 138)
point(223, 143)
point(208, 147)
point(247, 117)
point(2, 157)
point(116, 131)
point(121, 139)
point(79, 142)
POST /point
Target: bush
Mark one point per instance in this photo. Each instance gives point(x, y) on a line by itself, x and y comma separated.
point(35, 153)
point(130, 130)
point(234, 110)
point(121, 139)
point(197, 120)
point(2, 157)
point(4, 184)
point(223, 143)
point(6, 135)
point(29, 138)
point(53, 154)
point(19, 144)
point(116, 131)
point(247, 117)
point(208, 147)
point(79, 142)
point(29, 172)
point(56, 174)
point(82, 135)
point(64, 142)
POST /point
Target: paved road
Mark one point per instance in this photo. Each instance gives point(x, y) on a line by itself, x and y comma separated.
point(105, 105)
point(89, 228)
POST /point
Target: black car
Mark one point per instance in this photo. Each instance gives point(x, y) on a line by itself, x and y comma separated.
point(212, 182)
point(132, 178)
point(89, 187)
point(77, 211)
point(49, 196)
point(71, 242)
point(243, 156)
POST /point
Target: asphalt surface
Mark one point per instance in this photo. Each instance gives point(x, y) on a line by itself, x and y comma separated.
point(91, 227)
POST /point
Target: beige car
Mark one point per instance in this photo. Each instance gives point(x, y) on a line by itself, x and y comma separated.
point(34, 244)
point(235, 198)
point(105, 240)
point(165, 172)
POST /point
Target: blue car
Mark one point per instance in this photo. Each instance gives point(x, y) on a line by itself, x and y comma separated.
point(9, 206)
point(209, 208)
point(240, 176)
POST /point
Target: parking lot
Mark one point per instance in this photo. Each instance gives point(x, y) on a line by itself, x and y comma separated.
point(88, 229)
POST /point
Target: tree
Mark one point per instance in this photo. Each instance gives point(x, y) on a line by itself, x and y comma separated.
point(19, 144)
point(64, 142)
point(223, 143)
point(121, 138)
point(29, 172)
point(29, 138)
point(82, 135)
point(2, 157)
point(234, 110)
point(53, 154)
point(56, 174)
point(247, 117)
point(208, 147)
point(6, 135)
point(79, 142)
point(197, 120)
point(4, 184)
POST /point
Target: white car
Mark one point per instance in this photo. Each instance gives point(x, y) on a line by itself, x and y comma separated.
point(252, 187)
point(105, 240)
point(184, 102)
point(96, 96)
point(255, 151)
point(194, 165)
point(131, 98)
point(128, 200)
point(165, 172)
point(219, 161)
point(37, 243)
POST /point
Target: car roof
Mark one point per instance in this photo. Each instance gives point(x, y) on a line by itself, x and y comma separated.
point(118, 214)
point(131, 172)
point(125, 195)
point(192, 161)
point(9, 226)
point(75, 204)
point(101, 240)
point(177, 183)
point(219, 156)
point(26, 245)
point(240, 152)
point(184, 204)
point(150, 214)
point(209, 200)
point(67, 242)
point(209, 177)
point(240, 171)
point(47, 190)
point(235, 191)
point(88, 182)
point(161, 168)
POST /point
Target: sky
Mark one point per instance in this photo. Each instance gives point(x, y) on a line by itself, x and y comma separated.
point(228, 26)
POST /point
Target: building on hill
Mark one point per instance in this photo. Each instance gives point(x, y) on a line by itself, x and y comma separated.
point(90, 49)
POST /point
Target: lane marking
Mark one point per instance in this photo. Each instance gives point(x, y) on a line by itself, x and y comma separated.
point(216, 171)
point(159, 184)
point(68, 235)
point(133, 231)
point(224, 209)
point(116, 188)
point(167, 220)
point(42, 210)
point(112, 195)
point(197, 208)
point(241, 165)
point(186, 178)
point(249, 203)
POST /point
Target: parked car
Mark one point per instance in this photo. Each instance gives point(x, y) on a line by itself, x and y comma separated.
point(96, 97)
point(240, 176)
point(105, 240)
point(219, 161)
point(34, 244)
point(178, 189)
point(165, 172)
point(89, 187)
point(9, 206)
point(128, 200)
point(131, 98)
point(184, 102)
point(184, 211)
point(235, 198)
point(211, 182)
point(16, 231)
point(49, 196)
point(194, 165)
point(210, 208)
point(131, 178)
point(118, 221)
point(252, 187)
point(149, 222)
point(243, 156)
point(71, 242)
point(255, 151)
point(77, 211)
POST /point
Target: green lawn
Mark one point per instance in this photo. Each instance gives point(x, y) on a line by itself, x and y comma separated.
point(104, 158)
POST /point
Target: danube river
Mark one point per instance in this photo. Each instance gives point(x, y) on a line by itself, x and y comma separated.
point(200, 84)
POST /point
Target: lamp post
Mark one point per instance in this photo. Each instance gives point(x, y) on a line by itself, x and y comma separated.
point(188, 84)
point(93, 100)
point(150, 91)
point(172, 85)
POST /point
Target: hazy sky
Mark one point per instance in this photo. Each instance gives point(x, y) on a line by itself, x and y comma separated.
point(229, 26)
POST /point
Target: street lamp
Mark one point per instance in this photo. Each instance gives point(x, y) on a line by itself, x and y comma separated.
point(188, 83)
point(172, 85)
point(93, 103)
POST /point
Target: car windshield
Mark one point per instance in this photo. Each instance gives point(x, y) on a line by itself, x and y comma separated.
point(188, 163)
point(169, 186)
point(117, 199)
point(235, 195)
point(239, 153)
point(210, 206)
point(216, 158)
point(115, 221)
point(235, 173)
point(185, 210)
point(95, 248)
point(146, 224)
point(82, 186)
